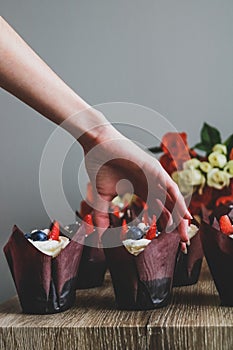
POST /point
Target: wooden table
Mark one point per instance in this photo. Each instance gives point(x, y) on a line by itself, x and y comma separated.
point(193, 320)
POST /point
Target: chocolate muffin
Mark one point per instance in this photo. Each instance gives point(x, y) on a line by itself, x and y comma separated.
point(144, 280)
point(217, 240)
point(188, 266)
point(44, 284)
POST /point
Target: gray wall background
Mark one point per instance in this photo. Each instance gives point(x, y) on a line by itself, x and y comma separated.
point(173, 56)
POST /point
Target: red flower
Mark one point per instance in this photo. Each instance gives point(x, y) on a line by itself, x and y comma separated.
point(174, 144)
point(168, 164)
point(231, 154)
point(176, 151)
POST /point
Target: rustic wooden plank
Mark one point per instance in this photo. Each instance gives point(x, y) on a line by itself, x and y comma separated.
point(194, 320)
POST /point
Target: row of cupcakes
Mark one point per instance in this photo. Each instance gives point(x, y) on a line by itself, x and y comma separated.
point(48, 267)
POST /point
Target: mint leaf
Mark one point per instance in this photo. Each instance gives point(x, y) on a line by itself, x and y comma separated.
point(203, 147)
point(210, 136)
point(155, 149)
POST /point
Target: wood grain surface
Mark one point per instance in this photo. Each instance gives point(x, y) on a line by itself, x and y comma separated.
point(193, 320)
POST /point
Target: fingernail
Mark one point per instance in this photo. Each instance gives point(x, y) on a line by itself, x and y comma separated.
point(188, 215)
point(188, 242)
point(185, 251)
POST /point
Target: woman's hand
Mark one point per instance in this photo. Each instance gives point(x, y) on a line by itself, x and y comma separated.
point(116, 165)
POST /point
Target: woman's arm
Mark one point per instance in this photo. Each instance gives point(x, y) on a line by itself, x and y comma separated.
point(110, 157)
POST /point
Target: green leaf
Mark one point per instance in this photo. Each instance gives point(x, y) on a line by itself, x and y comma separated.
point(203, 147)
point(155, 149)
point(210, 135)
point(229, 143)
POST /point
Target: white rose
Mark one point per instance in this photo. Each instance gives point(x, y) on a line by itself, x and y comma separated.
point(205, 167)
point(229, 168)
point(217, 159)
point(191, 164)
point(185, 189)
point(220, 148)
point(175, 176)
point(188, 178)
point(218, 179)
point(191, 176)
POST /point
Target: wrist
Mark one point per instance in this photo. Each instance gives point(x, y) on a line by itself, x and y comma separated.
point(90, 128)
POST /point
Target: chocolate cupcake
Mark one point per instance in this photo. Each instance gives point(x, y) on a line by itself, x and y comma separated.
point(217, 240)
point(93, 264)
point(44, 284)
point(188, 266)
point(142, 272)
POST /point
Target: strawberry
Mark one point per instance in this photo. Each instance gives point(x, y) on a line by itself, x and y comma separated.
point(151, 233)
point(116, 211)
point(226, 225)
point(54, 231)
point(88, 222)
point(124, 230)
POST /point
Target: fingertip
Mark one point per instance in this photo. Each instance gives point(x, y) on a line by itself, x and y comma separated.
point(188, 215)
point(183, 228)
point(184, 248)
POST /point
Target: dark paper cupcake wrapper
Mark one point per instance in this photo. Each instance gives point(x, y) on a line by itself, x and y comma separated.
point(93, 264)
point(188, 266)
point(144, 281)
point(218, 250)
point(44, 284)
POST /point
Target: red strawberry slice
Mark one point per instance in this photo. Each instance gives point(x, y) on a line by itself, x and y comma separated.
point(54, 231)
point(124, 230)
point(151, 233)
point(88, 222)
point(226, 225)
point(116, 211)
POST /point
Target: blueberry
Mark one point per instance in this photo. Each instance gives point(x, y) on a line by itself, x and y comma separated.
point(39, 236)
point(134, 233)
point(28, 235)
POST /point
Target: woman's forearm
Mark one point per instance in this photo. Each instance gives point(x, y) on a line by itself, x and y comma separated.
point(24, 74)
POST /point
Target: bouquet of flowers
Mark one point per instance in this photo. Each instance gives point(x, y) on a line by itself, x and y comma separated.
point(204, 179)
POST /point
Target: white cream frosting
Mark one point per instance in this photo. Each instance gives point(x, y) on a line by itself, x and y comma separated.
point(51, 247)
point(135, 247)
point(192, 231)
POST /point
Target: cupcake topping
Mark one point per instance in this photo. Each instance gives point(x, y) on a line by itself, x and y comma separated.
point(51, 247)
point(138, 237)
point(135, 233)
point(48, 241)
point(88, 224)
point(54, 231)
point(135, 247)
point(152, 232)
point(226, 225)
point(192, 230)
point(223, 215)
point(38, 236)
